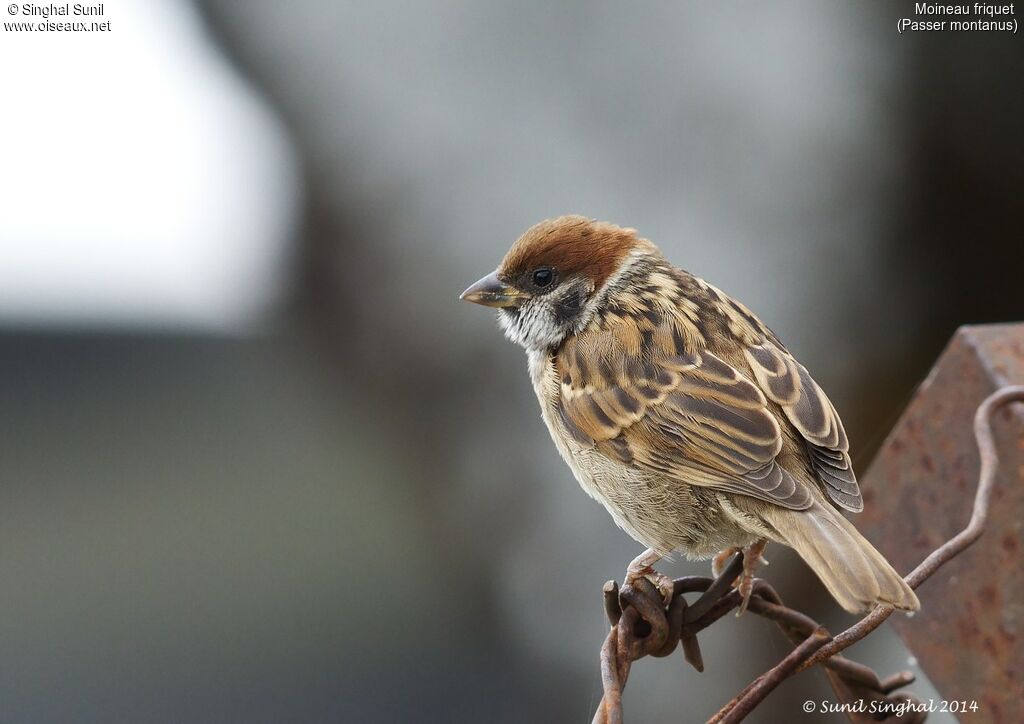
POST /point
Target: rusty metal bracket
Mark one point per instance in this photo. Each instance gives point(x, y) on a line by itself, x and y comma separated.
point(967, 635)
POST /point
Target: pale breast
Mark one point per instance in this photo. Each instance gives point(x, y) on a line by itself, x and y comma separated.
point(660, 513)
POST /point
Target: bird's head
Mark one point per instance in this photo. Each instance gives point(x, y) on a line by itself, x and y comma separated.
point(551, 281)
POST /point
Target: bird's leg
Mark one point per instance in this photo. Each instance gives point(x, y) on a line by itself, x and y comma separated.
point(751, 557)
point(719, 562)
point(642, 567)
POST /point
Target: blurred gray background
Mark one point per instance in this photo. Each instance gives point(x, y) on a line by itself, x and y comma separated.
point(257, 463)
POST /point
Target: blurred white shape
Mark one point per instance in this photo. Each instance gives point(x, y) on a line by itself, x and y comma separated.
point(142, 182)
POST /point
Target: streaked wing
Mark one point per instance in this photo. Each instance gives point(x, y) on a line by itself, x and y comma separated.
point(691, 416)
point(786, 382)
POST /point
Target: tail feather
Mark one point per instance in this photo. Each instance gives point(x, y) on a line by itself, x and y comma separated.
point(856, 574)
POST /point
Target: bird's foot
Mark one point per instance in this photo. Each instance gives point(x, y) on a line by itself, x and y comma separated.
point(643, 567)
point(752, 555)
point(719, 562)
point(664, 584)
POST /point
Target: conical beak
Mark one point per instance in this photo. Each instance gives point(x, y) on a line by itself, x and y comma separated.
point(492, 292)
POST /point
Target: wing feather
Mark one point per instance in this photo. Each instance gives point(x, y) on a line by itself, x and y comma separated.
point(692, 416)
point(787, 383)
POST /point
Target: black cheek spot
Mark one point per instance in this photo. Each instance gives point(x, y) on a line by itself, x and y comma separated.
point(568, 308)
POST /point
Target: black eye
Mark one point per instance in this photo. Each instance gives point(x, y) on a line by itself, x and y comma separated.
point(543, 277)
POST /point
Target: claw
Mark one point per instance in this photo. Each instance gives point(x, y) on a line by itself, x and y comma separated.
point(664, 584)
point(745, 587)
point(719, 562)
point(642, 567)
point(745, 583)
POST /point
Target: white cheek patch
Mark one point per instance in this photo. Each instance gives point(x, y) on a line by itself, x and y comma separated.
point(509, 324)
point(536, 325)
point(533, 326)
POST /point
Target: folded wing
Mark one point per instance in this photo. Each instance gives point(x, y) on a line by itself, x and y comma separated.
point(691, 416)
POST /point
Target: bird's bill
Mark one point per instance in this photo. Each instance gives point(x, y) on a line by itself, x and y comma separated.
point(492, 292)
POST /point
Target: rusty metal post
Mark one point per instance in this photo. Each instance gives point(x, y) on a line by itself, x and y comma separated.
point(919, 491)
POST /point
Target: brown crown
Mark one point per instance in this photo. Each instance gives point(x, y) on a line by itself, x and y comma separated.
point(572, 245)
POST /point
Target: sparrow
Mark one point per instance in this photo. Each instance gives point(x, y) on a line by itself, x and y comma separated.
point(680, 411)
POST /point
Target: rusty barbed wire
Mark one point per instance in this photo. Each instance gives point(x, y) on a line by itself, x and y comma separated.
point(642, 625)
